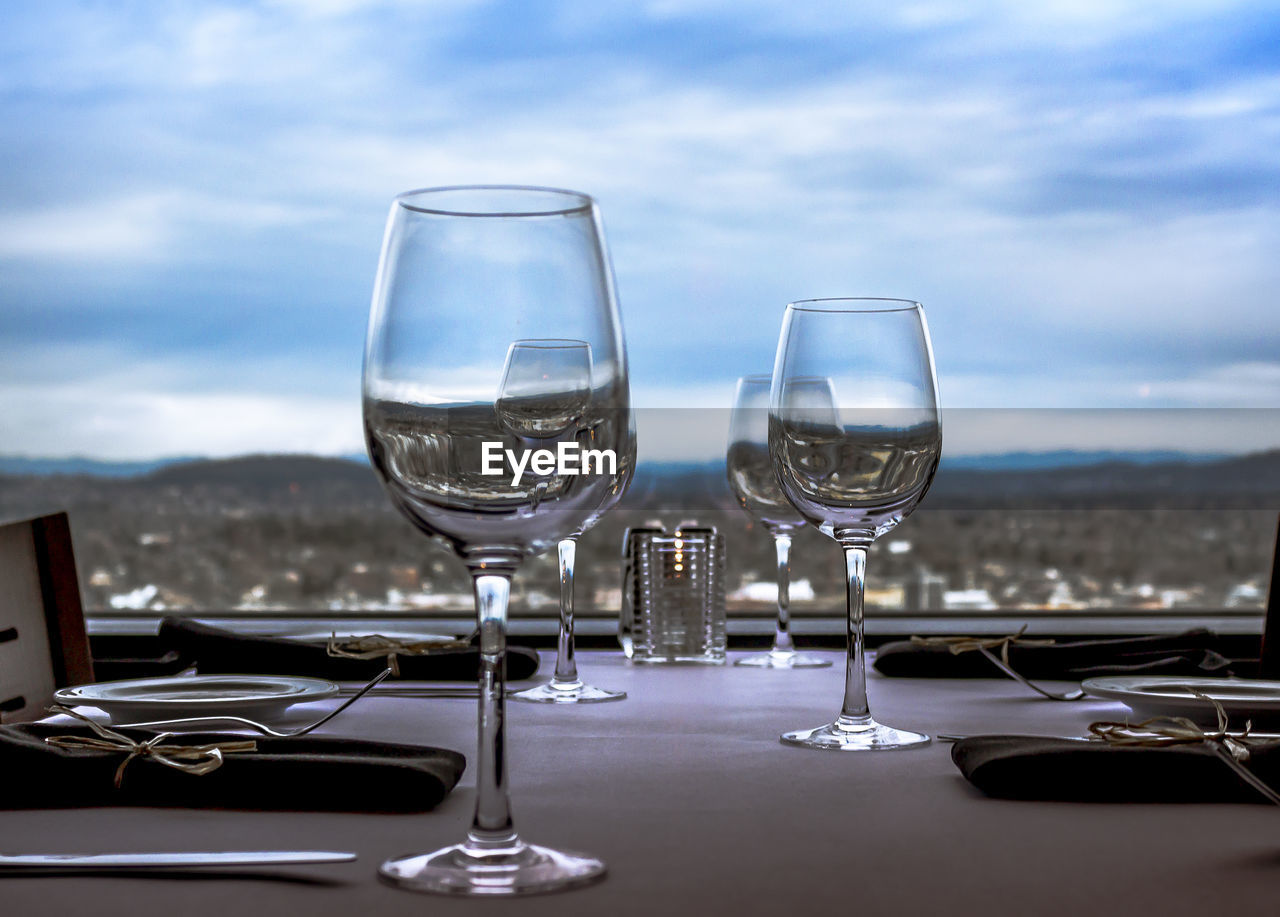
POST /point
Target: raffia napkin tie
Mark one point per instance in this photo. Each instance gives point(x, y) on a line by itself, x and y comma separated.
point(985, 645)
point(1164, 731)
point(190, 759)
point(373, 646)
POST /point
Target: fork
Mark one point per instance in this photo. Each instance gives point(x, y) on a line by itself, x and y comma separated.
point(1051, 695)
point(433, 691)
point(262, 727)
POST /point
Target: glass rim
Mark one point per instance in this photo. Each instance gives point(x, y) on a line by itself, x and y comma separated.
point(582, 202)
point(767, 379)
point(551, 344)
point(855, 304)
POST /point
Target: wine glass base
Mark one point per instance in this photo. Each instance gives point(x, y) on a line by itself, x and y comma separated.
point(783, 660)
point(575, 693)
point(526, 869)
point(867, 735)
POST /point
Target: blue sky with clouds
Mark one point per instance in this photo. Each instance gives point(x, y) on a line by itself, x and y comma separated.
point(1086, 196)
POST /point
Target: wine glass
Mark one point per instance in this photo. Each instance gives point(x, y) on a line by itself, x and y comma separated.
point(545, 388)
point(458, 436)
point(537, 374)
point(856, 475)
point(754, 483)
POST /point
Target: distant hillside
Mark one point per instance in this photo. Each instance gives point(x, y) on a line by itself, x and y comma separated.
point(1250, 481)
point(1070, 458)
point(1003, 461)
point(1245, 481)
point(78, 465)
point(262, 471)
point(19, 466)
point(691, 485)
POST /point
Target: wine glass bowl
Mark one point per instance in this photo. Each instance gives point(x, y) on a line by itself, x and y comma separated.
point(755, 485)
point(857, 467)
point(493, 334)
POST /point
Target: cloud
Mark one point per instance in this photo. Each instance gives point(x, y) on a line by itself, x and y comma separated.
point(122, 421)
point(1237, 386)
point(151, 226)
point(131, 228)
point(1081, 194)
point(1246, 385)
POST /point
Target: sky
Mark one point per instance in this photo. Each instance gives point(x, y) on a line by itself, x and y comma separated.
point(1084, 195)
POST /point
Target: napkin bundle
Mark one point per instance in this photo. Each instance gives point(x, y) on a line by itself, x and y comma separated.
point(1031, 767)
point(303, 773)
point(216, 651)
point(1193, 652)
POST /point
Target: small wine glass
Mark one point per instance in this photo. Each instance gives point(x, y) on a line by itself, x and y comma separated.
point(754, 483)
point(456, 430)
point(856, 475)
point(545, 388)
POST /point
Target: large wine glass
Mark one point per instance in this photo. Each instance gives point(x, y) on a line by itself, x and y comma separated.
point(534, 370)
point(498, 470)
point(859, 473)
point(752, 479)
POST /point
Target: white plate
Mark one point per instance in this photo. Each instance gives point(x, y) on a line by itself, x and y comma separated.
point(1171, 695)
point(255, 696)
point(311, 635)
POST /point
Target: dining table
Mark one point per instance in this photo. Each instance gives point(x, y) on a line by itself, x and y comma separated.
point(685, 791)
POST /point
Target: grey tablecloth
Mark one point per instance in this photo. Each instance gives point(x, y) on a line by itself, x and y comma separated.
point(685, 791)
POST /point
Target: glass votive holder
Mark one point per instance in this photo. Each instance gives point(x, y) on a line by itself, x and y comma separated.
point(672, 607)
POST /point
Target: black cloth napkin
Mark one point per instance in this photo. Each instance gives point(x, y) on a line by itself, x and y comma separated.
point(304, 773)
point(215, 651)
point(1193, 652)
point(1031, 767)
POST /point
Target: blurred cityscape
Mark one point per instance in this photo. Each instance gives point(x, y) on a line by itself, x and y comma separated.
point(304, 533)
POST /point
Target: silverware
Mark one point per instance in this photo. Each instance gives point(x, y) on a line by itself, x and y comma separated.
point(172, 860)
point(395, 690)
point(951, 737)
point(261, 727)
point(1043, 692)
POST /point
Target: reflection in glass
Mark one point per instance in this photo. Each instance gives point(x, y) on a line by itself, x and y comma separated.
point(545, 387)
point(754, 483)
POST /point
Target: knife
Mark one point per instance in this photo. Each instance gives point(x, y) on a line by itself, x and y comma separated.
point(951, 737)
point(174, 860)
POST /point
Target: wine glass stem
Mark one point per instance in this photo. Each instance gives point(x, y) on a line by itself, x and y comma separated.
point(492, 828)
point(782, 642)
point(855, 710)
point(566, 665)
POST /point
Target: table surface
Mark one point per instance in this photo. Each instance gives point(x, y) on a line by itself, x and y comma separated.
point(685, 791)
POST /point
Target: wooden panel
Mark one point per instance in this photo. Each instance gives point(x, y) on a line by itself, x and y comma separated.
point(1269, 667)
point(63, 610)
point(42, 635)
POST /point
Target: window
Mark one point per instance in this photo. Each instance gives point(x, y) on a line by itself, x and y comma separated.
point(1082, 199)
